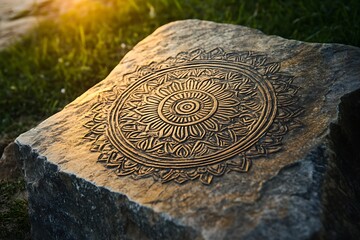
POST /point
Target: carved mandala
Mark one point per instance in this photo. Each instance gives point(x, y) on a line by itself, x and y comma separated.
point(194, 116)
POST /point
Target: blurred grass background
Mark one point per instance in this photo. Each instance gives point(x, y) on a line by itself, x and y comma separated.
point(14, 218)
point(62, 57)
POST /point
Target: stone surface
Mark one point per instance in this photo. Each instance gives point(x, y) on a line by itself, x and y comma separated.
point(18, 17)
point(298, 185)
point(10, 166)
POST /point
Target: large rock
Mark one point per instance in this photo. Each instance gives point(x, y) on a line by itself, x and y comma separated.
point(203, 131)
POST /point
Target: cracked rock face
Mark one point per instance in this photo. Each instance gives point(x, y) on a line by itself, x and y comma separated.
point(203, 131)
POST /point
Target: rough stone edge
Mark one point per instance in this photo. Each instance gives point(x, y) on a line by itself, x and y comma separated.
point(342, 221)
point(140, 220)
point(168, 228)
point(294, 224)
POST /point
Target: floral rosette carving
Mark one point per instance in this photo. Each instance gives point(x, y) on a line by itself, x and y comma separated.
point(194, 116)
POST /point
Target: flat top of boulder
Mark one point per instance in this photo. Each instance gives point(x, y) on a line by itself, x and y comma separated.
point(200, 118)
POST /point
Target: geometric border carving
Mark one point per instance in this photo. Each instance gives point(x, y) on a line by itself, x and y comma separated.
point(197, 115)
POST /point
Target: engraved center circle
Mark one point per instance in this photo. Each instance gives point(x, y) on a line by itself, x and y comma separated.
point(198, 115)
point(192, 115)
point(183, 108)
point(186, 107)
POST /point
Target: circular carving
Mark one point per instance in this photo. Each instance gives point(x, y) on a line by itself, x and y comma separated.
point(187, 107)
point(194, 116)
point(179, 123)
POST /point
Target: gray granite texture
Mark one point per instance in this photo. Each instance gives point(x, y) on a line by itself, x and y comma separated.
point(294, 178)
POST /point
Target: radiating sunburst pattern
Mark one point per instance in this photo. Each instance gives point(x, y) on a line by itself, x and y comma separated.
point(194, 116)
point(181, 113)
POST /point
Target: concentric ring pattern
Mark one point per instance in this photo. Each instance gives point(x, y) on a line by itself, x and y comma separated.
point(194, 116)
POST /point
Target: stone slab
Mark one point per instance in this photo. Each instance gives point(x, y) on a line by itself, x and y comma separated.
point(202, 131)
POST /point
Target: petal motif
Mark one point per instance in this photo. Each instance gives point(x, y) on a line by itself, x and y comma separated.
point(197, 131)
point(182, 151)
point(229, 102)
point(180, 134)
point(152, 99)
point(149, 118)
point(210, 125)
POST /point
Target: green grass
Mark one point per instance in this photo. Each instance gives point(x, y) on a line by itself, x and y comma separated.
point(61, 58)
point(14, 219)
